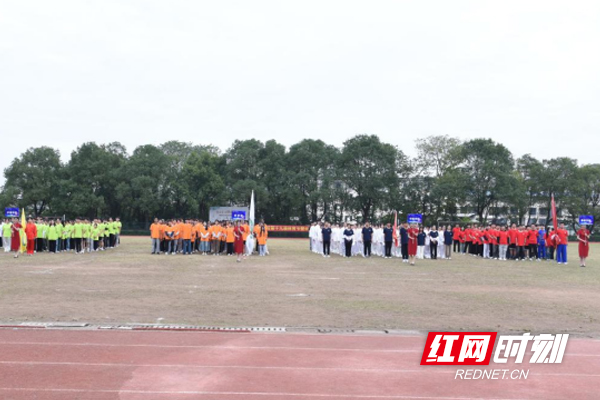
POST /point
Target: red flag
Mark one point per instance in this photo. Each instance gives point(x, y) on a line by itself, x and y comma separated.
point(554, 220)
point(396, 228)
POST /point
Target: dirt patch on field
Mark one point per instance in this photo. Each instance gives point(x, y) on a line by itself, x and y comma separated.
point(295, 288)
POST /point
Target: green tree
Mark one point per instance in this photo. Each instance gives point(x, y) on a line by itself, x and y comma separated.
point(143, 183)
point(32, 180)
point(484, 174)
point(312, 168)
point(88, 187)
point(584, 196)
point(557, 179)
point(204, 186)
point(244, 173)
point(371, 171)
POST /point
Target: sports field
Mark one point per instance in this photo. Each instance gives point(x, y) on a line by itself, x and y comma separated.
point(295, 288)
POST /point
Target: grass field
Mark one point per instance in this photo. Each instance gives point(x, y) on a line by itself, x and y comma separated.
point(295, 288)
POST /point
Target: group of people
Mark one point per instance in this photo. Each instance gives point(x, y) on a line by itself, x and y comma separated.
point(206, 238)
point(57, 236)
point(411, 242)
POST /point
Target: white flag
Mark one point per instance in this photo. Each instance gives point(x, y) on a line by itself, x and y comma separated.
point(250, 240)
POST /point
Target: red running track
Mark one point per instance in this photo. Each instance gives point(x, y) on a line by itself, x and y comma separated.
point(53, 364)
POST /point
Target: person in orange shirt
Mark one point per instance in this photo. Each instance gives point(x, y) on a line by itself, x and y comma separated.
point(261, 239)
point(230, 238)
point(163, 243)
point(255, 233)
point(195, 236)
point(246, 231)
point(186, 237)
point(223, 246)
point(155, 235)
point(169, 242)
point(204, 238)
point(215, 237)
point(31, 232)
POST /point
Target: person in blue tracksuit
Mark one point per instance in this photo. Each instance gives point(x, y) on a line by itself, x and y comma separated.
point(541, 244)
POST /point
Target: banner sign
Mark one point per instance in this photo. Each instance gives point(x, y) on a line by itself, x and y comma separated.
point(415, 218)
point(238, 214)
point(227, 213)
point(11, 212)
point(287, 228)
point(586, 220)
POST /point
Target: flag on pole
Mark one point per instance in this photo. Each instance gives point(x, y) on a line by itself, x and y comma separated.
point(396, 228)
point(250, 239)
point(22, 232)
point(554, 219)
point(251, 217)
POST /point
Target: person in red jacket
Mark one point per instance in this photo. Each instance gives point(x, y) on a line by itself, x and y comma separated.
point(532, 237)
point(583, 235)
point(521, 243)
point(461, 239)
point(513, 233)
point(550, 243)
point(31, 233)
point(468, 240)
point(503, 243)
point(456, 239)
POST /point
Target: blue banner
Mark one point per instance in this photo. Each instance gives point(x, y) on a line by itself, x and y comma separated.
point(12, 212)
point(586, 220)
point(238, 214)
point(415, 218)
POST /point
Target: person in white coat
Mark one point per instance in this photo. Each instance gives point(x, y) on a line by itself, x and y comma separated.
point(427, 250)
point(440, 251)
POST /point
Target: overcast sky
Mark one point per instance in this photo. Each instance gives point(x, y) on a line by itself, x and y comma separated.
point(524, 73)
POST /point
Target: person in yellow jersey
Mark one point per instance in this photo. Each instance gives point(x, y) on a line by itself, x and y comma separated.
point(112, 230)
point(39, 239)
point(59, 235)
point(78, 236)
point(52, 237)
point(67, 236)
point(86, 239)
point(95, 235)
point(6, 235)
point(119, 226)
point(106, 234)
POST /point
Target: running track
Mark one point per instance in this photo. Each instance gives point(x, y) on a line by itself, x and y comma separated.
point(95, 364)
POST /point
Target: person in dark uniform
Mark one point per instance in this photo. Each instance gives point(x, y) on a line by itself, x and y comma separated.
point(404, 242)
point(326, 235)
point(388, 236)
point(433, 237)
point(448, 238)
point(367, 237)
point(348, 236)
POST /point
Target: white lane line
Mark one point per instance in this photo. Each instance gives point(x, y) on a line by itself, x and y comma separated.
point(174, 346)
point(125, 365)
point(190, 366)
point(320, 395)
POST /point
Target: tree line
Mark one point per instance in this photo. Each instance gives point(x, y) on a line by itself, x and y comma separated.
point(312, 180)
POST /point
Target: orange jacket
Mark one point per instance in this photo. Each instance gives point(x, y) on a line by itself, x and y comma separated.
point(31, 231)
point(186, 231)
point(261, 237)
point(230, 235)
point(155, 230)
